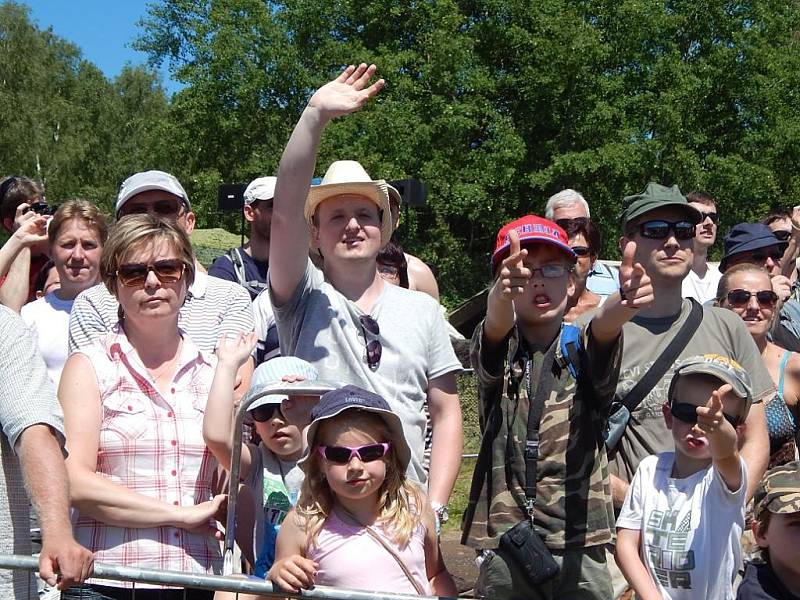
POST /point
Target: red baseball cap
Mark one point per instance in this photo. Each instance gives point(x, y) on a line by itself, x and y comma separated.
point(531, 230)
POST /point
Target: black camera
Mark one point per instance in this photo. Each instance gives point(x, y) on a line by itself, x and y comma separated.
point(42, 208)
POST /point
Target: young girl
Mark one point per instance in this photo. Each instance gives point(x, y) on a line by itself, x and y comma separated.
point(357, 502)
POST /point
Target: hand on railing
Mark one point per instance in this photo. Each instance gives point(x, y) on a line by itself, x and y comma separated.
point(63, 555)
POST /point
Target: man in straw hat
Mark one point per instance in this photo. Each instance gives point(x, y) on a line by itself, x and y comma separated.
point(346, 321)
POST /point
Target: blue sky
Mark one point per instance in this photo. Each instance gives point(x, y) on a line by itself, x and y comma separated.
point(102, 29)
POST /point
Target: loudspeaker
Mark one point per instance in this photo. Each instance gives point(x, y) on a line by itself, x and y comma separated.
point(230, 196)
point(413, 191)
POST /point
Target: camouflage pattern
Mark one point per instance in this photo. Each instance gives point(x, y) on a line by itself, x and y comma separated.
point(779, 491)
point(573, 494)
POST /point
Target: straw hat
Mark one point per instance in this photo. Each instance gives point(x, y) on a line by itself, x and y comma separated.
point(349, 177)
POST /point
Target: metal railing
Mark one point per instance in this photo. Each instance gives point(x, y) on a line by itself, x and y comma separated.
point(234, 584)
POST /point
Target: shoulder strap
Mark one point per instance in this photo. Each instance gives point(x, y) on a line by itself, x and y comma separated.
point(667, 357)
point(570, 344)
point(535, 410)
point(238, 265)
point(782, 371)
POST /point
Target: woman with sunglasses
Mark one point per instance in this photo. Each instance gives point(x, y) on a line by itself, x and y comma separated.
point(585, 241)
point(140, 473)
point(746, 290)
point(76, 234)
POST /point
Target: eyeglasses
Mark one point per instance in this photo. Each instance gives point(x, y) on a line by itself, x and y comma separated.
point(576, 222)
point(341, 455)
point(159, 208)
point(683, 411)
point(135, 274)
point(739, 297)
point(782, 234)
point(551, 271)
point(659, 230)
point(710, 215)
point(266, 412)
point(582, 250)
point(374, 348)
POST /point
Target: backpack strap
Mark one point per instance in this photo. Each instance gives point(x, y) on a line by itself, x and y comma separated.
point(570, 346)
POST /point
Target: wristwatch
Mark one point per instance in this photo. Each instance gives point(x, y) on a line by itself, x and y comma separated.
point(441, 512)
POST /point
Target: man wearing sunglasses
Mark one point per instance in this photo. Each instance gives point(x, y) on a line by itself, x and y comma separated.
point(569, 209)
point(346, 321)
point(756, 243)
point(703, 278)
point(213, 307)
point(662, 223)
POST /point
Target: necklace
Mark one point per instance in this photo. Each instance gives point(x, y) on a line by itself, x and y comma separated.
point(166, 367)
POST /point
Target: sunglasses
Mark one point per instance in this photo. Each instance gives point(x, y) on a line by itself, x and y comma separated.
point(659, 230)
point(683, 411)
point(739, 297)
point(266, 412)
point(576, 222)
point(135, 274)
point(759, 257)
point(582, 251)
point(342, 455)
point(710, 215)
point(782, 234)
point(374, 348)
point(160, 208)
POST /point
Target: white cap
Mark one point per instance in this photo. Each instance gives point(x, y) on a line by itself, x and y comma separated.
point(146, 181)
point(273, 371)
point(262, 188)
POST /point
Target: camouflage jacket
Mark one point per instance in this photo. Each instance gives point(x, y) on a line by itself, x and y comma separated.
point(573, 493)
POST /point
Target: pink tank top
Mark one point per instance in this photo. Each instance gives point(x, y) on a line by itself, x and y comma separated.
point(350, 558)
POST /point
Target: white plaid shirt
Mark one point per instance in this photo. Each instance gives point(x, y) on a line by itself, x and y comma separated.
point(152, 444)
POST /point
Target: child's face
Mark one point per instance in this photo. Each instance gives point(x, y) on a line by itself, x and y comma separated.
point(357, 481)
point(782, 538)
point(544, 298)
point(690, 440)
point(282, 437)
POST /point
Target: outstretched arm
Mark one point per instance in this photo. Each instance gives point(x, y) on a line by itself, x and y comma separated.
point(509, 285)
point(15, 256)
point(289, 232)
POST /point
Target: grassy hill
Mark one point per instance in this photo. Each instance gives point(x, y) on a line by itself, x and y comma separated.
point(211, 243)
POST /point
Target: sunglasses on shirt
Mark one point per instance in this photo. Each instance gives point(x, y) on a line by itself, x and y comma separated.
point(374, 348)
point(135, 274)
point(739, 297)
point(342, 455)
point(659, 229)
point(683, 411)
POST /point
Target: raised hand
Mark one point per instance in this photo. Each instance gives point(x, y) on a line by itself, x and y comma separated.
point(234, 351)
point(514, 275)
point(29, 227)
point(347, 93)
point(293, 573)
point(712, 422)
point(635, 287)
point(782, 286)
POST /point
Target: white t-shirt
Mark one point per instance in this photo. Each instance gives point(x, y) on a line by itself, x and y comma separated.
point(320, 325)
point(701, 289)
point(48, 320)
point(691, 528)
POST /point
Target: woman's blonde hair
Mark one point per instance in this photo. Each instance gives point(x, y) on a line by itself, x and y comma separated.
point(138, 232)
point(400, 502)
point(724, 282)
point(78, 209)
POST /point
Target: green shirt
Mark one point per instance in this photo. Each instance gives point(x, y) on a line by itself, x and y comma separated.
point(573, 506)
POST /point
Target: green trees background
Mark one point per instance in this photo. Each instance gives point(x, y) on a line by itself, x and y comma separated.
point(495, 105)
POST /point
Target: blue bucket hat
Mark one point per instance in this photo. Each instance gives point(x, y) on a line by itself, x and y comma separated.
point(746, 237)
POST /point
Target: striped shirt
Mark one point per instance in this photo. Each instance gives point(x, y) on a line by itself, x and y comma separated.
point(153, 445)
point(212, 307)
point(27, 397)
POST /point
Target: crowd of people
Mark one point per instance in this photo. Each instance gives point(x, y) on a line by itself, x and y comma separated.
point(639, 423)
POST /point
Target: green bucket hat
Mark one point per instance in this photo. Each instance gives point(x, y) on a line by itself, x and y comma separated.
point(656, 196)
point(779, 491)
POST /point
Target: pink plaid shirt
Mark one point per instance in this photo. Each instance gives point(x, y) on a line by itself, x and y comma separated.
point(153, 445)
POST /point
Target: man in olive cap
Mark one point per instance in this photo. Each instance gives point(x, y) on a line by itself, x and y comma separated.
point(662, 224)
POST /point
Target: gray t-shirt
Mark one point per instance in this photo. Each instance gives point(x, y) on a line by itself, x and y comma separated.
point(320, 325)
point(721, 332)
point(27, 397)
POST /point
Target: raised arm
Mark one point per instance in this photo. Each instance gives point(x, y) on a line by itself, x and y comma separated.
point(95, 495)
point(218, 421)
point(635, 285)
point(722, 438)
point(288, 251)
point(510, 284)
point(15, 256)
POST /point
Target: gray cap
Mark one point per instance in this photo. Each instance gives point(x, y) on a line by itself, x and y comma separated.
point(262, 188)
point(146, 181)
point(723, 368)
point(274, 371)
